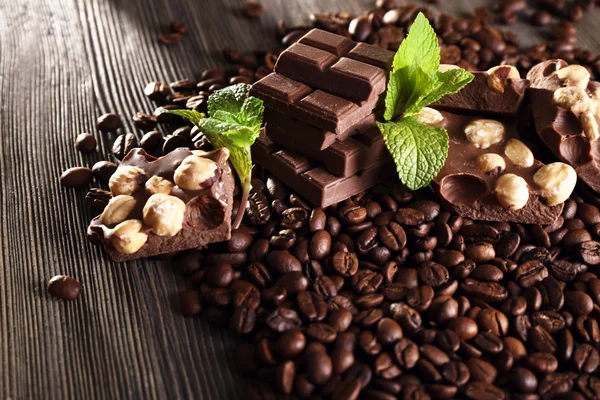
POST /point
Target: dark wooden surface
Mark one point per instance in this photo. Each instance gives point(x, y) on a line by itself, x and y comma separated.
point(62, 64)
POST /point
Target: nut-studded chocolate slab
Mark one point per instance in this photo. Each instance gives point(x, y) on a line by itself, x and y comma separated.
point(333, 63)
point(313, 182)
point(468, 181)
point(570, 131)
point(317, 139)
point(341, 158)
point(492, 92)
point(317, 107)
point(180, 201)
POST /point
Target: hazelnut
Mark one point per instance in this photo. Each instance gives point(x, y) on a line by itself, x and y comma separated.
point(196, 173)
point(590, 125)
point(484, 132)
point(127, 237)
point(156, 184)
point(429, 116)
point(519, 153)
point(164, 214)
point(574, 75)
point(491, 163)
point(512, 192)
point(571, 98)
point(557, 181)
point(447, 67)
point(498, 77)
point(126, 180)
point(118, 209)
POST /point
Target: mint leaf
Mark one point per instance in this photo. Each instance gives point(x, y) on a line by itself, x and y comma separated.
point(234, 122)
point(407, 86)
point(419, 150)
point(230, 99)
point(449, 82)
point(420, 48)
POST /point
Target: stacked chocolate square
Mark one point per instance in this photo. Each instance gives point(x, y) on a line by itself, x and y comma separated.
point(321, 104)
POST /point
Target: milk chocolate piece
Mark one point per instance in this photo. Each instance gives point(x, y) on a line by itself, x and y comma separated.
point(207, 216)
point(470, 191)
point(341, 158)
point(328, 61)
point(315, 138)
point(479, 98)
point(313, 182)
point(561, 129)
point(321, 109)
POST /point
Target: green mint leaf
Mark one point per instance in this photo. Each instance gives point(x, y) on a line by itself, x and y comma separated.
point(230, 99)
point(407, 87)
point(419, 150)
point(193, 116)
point(448, 82)
point(234, 122)
point(420, 47)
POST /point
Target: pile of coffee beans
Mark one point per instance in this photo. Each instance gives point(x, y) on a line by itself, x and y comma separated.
point(386, 295)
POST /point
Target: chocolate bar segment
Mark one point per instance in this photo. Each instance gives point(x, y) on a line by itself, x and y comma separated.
point(312, 182)
point(315, 138)
point(486, 96)
point(570, 133)
point(319, 60)
point(341, 158)
point(166, 205)
point(466, 187)
point(323, 110)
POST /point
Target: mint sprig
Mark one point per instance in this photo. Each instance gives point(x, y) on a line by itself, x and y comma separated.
point(234, 122)
point(419, 150)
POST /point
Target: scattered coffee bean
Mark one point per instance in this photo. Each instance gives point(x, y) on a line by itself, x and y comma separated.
point(76, 177)
point(85, 143)
point(64, 287)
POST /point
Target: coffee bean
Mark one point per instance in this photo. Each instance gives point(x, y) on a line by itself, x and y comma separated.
point(353, 214)
point(123, 145)
point(486, 291)
point(388, 331)
point(109, 123)
point(312, 306)
point(152, 141)
point(283, 319)
point(345, 264)
point(317, 220)
point(465, 327)
point(243, 320)
point(252, 9)
point(586, 358)
point(589, 252)
point(98, 199)
point(291, 344)
point(77, 177)
point(480, 252)
point(456, 373)
point(190, 303)
point(481, 370)
point(530, 272)
point(409, 217)
point(282, 261)
point(488, 342)
point(433, 274)
point(294, 218)
point(103, 170)
point(293, 282)
point(580, 303)
point(542, 340)
point(283, 240)
point(64, 287)
point(392, 236)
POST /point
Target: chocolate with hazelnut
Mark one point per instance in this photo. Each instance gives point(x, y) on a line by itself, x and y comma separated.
point(162, 205)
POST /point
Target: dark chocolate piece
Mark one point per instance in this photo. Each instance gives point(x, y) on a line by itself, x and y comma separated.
point(341, 158)
point(470, 191)
point(312, 182)
point(326, 61)
point(207, 216)
point(316, 138)
point(561, 129)
point(323, 110)
point(479, 98)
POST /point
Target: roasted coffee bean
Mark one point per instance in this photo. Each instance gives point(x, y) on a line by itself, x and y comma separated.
point(388, 331)
point(190, 303)
point(283, 240)
point(312, 306)
point(530, 272)
point(542, 340)
point(293, 282)
point(456, 373)
point(586, 358)
point(428, 371)
point(78, 177)
point(420, 298)
point(451, 258)
point(487, 291)
point(367, 240)
point(294, 218)
point(64, 287)
point(152, 141)
point(321, 332)
point(494, 321)
point(488, 342)
point(552, 293)
point(589, 252)
point(283, 319)
point(243, 320)
point(551, 321)
point(109, 123)
point(481, 370)
point(579, 303)
point(433, 274)
point(85, 143)
point(219, 276)
point(409, 217)
point(317, 220)
point(345, 264)
point(465, 327)
point(282, 261)
point(103, 170)
point(443, 308)
point(480, 233)
point(480, 252)
point(392, 236)
point(507, 246)
point(123, 145)
point(98, 198)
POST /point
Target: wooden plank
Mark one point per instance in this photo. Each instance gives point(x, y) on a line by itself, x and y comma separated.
point(62, 64)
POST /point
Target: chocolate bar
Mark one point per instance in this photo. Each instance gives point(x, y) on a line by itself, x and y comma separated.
point(315, 138)
point(499, 91)
point(327, 61)
point(313, 182)
point(341, 158)
point(324, 110)
point(177, 202)
point(485, 156)
point(565, 112)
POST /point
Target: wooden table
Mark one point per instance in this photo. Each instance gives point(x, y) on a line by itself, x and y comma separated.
point(62, 64)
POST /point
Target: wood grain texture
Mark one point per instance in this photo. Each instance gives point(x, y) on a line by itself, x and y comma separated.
point(62, 64)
